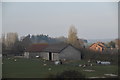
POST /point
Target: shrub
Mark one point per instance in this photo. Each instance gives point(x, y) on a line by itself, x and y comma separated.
point(94, 55)
point(68, 74)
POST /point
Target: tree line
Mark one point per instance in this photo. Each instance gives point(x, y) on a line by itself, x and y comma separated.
point(12, 44)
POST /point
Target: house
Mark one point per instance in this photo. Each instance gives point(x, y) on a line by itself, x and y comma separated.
point(99, 46)
point(59, 51)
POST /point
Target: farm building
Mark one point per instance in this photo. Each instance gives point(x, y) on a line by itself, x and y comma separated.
point(99, 46)
point(54, 52)
point(34, 50)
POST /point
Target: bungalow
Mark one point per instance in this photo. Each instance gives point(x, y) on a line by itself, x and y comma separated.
point(59, 51)
point(99, 46)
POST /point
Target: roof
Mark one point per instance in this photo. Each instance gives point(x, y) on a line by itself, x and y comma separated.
point(100, 44)
point(55, 48)
point(36, 47)
point(58, 47)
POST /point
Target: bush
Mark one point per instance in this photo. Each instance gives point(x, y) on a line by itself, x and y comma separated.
point(94, 55)
point(68, 74)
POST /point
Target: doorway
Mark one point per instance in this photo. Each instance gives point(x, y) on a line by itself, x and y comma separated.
point(50, 56)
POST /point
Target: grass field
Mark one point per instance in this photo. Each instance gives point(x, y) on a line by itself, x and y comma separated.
point(0, 67)
point(34, 68)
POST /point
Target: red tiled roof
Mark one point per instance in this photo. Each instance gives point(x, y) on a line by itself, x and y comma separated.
point(36, 47)
point(100, 44)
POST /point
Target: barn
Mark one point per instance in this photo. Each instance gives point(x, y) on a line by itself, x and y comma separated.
point(34, 50)
point(54, 52)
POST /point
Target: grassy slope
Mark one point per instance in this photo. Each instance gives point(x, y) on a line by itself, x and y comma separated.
point(33, 68)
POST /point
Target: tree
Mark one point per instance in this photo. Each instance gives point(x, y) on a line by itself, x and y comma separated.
point(117, 41)
point(18, 48)
point(26, 41)
point(72, 37)
point(11, 44)
point(62, 39)
point(3, 42)
point(111, 44)
point(10, 40)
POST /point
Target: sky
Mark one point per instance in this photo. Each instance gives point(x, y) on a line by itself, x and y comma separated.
point(93, 20)
point(0, 19)
point(119, 19)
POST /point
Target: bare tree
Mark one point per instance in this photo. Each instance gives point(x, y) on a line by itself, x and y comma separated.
point(117, 41)
point(3, 38)
point(10, 40)
point(72, 36)
point(3, 41)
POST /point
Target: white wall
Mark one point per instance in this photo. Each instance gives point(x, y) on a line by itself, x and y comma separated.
point(26, 54)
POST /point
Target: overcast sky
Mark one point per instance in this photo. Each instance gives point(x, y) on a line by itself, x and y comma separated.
point(93, 20)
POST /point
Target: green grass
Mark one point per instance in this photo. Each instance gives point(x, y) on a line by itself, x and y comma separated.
point(33, 68)
point(0, 67)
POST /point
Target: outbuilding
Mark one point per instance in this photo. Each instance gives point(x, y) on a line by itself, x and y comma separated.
point(59, 51)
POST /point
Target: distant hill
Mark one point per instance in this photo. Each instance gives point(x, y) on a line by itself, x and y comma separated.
point(99, 40)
